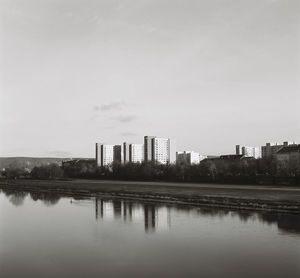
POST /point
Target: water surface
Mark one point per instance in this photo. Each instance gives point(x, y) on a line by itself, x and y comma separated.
point(44, 235)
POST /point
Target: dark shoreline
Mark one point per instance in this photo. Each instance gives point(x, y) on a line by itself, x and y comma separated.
point(247, 197)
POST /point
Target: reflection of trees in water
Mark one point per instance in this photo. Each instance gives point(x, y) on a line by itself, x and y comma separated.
point(15, 197)
point(289, 223)
point(268, 218)
point(150, 214)
point(35, 196)
point(284, 222)
point(18, 198)
point(213, 212)
point(48, 198)
point(244, 216)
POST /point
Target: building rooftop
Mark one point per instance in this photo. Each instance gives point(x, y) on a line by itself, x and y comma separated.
point(291, 148)
point(231, 156)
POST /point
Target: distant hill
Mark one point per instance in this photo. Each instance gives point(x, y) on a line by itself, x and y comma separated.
point(28, 162)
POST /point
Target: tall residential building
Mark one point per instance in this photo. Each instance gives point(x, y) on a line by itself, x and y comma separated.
point(270, 149)
point(132, 153)
point(189, 157)
point(248, 151)
point(125, 153)
point(148, 147)
point(136, 153)
point(161, 150)
point(117, 153)
point(104, 154)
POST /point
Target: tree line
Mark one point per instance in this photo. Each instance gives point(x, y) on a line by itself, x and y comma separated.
point(246, 171)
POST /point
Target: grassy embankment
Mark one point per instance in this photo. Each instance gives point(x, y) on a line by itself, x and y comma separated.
point(268, 198)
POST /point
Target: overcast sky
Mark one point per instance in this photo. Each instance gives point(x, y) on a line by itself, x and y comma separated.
point(207, 73)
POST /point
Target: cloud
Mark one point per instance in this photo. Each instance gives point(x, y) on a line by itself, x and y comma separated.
point(125, 119)
point(116, 105)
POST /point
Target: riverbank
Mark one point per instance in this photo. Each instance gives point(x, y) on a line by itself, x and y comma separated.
point(253, 197)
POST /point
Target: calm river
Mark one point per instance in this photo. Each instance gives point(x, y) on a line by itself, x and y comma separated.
point(43, 235)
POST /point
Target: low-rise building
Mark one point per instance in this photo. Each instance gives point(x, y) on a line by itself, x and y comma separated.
point(234, 157)
point(270, 149)
point(189, 157)
point(288, 159)
point(231, 156)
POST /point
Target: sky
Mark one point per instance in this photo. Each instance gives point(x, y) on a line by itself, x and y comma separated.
point(209, 74)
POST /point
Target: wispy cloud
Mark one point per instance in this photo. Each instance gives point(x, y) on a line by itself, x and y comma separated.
point(116, 105)
point(111, 106)
point(125, 119)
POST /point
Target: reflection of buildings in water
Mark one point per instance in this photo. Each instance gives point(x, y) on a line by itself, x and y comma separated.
point(137, 212)
point(117, 205)
point(127, 211)
point(112, 209)
point(99, 208)
point(149, 217)
point(154, 218)
point(96, 208)
point(104, 209)
point(163, 218)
